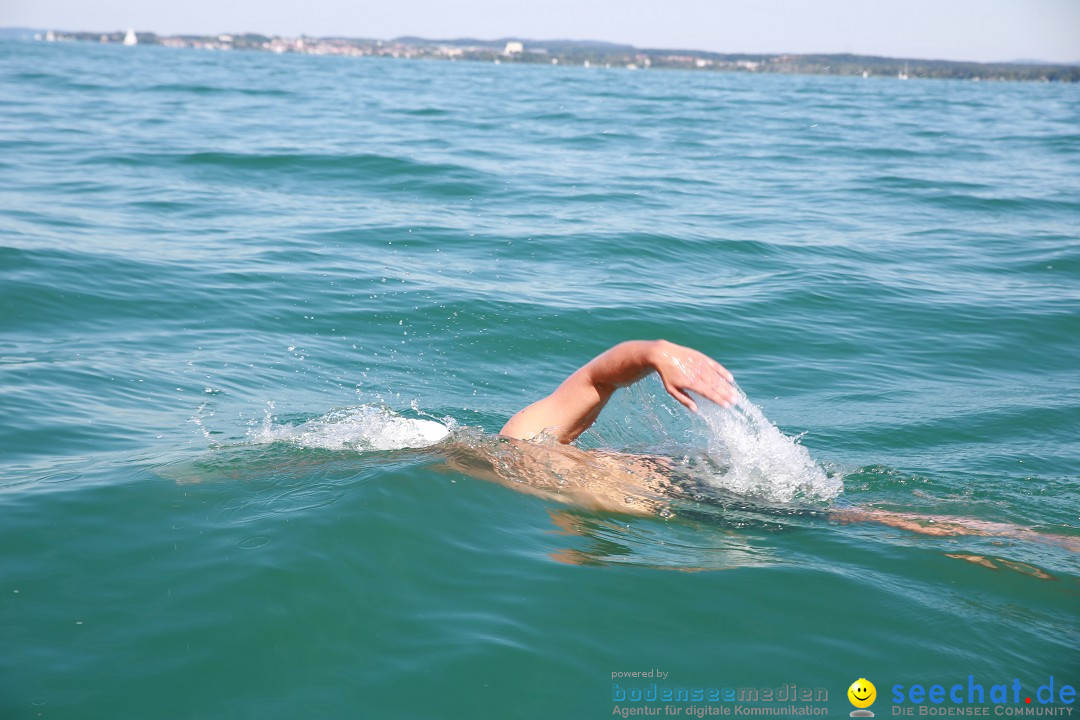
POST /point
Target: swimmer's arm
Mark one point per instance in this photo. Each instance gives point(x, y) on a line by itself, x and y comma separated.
point(575, 405)
point(949, 526)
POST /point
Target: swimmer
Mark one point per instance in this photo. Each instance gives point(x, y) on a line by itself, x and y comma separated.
point(536, 456)
point(540, 459)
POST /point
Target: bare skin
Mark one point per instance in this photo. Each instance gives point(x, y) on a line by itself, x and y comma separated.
point(589, 479)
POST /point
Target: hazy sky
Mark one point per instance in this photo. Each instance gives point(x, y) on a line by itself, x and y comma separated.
point(984, 30)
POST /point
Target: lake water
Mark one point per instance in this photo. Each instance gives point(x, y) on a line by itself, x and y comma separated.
point(227, 280)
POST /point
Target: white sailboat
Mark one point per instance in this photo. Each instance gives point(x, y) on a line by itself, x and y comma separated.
point(903, 73)
point(130, 39)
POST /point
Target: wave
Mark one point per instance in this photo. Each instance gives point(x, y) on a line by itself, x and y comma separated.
point(423, 112)
point(368, 162)
point(999, 204)
point(389, 172)
point(197, 89)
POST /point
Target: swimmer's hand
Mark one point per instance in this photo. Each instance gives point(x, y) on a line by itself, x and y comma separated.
point(684, 370)
point(575, 405)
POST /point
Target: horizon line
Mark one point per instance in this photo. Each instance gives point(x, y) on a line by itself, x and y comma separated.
point(541, 42)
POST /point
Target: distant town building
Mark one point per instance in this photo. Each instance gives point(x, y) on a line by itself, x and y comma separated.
point(514, 48)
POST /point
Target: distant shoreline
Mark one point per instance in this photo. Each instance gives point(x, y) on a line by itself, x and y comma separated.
point(582, 53)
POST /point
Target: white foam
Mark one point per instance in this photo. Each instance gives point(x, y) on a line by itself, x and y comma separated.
point(756, 459)
point(365, 427)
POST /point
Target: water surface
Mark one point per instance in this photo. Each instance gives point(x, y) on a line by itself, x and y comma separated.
point(218, 271)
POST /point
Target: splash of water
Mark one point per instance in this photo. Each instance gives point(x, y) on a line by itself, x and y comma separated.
point(726, 451)
point(364, 428)
point(753, 458)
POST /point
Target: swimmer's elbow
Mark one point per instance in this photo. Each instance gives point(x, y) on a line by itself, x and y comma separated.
point(530, 422)
point(554, 416)
point(516, 428)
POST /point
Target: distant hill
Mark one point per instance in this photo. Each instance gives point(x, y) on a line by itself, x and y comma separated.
point(1031, 61)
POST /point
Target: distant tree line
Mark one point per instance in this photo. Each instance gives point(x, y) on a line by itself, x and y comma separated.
point(601, 54)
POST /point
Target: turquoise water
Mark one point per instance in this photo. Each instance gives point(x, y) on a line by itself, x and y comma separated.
point(225, 279)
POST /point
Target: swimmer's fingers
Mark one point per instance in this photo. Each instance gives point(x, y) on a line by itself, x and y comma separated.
point(721, 370)
point(685, 370)
point(721, 394)
point(715, 387)
point(712, 380)
point(681, 396)
point(709, 385)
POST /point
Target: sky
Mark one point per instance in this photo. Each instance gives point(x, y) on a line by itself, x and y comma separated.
point(980, 30)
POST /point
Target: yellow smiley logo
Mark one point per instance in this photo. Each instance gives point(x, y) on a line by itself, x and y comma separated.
point(862, 693)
